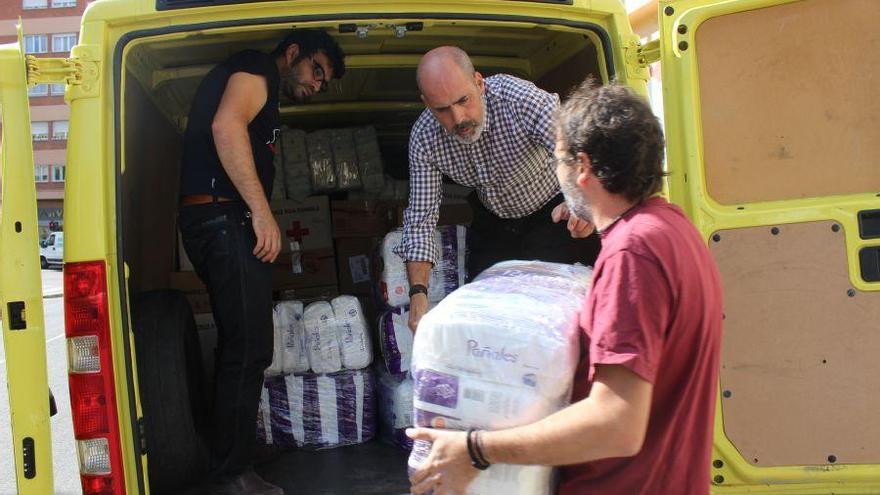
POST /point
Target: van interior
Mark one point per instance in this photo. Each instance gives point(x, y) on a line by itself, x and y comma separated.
point(159, 78)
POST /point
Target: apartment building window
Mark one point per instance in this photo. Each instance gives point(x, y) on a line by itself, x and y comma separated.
point(56, 89)
point(36, 43)
point(34, 4)
point(58, 173)
point(59, 130)
point(41, 173)
point(40, 131)
point(39, 90)
point(63, 3)
point(63, 42)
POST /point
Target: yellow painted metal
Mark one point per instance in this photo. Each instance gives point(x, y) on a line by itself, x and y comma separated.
point(687, 187)
point(20, 282)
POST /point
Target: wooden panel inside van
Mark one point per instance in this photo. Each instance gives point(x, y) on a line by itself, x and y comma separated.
point(799, 361)
point(789, 104)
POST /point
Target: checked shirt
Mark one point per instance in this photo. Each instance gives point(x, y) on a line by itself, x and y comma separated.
point(511, 166)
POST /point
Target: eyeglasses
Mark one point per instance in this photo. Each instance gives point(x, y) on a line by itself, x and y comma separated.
point(318, 73)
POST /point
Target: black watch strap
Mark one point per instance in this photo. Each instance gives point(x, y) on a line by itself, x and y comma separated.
point(418, 289)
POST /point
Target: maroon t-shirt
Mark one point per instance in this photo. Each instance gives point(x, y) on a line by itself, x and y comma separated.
point(654, 307)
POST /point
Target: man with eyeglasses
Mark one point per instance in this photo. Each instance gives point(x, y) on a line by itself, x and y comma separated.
point(495, 135)
point(229, 232)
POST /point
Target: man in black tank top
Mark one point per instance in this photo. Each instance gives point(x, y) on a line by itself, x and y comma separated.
point(229, 232)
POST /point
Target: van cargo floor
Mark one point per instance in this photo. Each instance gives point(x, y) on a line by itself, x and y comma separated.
point(373, 468)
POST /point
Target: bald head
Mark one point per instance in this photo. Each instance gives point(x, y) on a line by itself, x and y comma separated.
point(440, 63)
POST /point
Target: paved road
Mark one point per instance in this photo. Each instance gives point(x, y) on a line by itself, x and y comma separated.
point(66, 470)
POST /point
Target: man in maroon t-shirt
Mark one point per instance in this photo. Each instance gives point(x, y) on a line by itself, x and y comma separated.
point(644, 397)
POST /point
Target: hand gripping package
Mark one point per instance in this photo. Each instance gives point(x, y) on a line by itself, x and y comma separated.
point(449, 271)
point(396, 339)
point(318, 411)
point(497, 353)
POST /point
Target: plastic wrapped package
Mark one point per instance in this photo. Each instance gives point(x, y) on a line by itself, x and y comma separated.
point(322, 338)
point(318, 411)
point(277, 366)
point(396, 339)
point(369, 159)
point(395, 394)
point(295, 358)
point(278, 187)
point(297, 175)
point(321, 166)
point(497, 353)
point(354, 334)
point(348, 176)
point(449, 272)
point(293, 142)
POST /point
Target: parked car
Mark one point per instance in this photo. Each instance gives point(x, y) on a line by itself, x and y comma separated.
point(52, 250)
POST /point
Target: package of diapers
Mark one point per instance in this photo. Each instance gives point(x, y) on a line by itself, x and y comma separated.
point(322, 338)
point(449, 273)
point(354, 334)
point(497, 353)
point(318, 411)
point(395, 394)
point(294, 357)
point(395, 340)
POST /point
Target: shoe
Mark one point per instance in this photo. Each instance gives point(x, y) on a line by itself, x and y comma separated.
point(246, 483)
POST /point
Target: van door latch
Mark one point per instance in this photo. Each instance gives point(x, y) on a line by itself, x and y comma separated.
point(639, 57)
point(78, 74)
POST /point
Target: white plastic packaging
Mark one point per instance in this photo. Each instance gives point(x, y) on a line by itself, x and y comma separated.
point(295, 358)
point(500, 352)
point(322, 338)
point(354, 334)
point(448, 274)
point(395, 394)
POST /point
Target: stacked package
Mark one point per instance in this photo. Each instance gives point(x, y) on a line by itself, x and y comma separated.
point(497, 353)
point(395, 393)
point(396, 340)
point(289, 354)
point(345, 160)
point(321, 166)
point(369, 159)
point(318, 411)
point(278, 189)
point(448, 274)
point(297, 183)
point(337, 335)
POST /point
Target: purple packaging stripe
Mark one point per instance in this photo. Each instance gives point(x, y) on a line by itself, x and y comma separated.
point(370, 423)
point(390, 349)
point(346, 407)
point(311, 411)
point(436, 388)
point(279, 412)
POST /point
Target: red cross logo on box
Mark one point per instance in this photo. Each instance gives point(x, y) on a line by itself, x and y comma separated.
point(296, 232)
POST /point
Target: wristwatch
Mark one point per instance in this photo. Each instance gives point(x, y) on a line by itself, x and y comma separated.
point(418, 289)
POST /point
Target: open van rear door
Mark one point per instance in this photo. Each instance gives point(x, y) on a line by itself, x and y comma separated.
point(773, 129)
point(21, 299)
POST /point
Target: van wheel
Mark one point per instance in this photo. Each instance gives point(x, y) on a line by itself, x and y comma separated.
point(170, 377)
point(43, 263)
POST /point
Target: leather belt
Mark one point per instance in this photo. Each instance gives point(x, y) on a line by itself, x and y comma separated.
point(201, 199)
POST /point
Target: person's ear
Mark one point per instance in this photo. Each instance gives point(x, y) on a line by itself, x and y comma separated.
point(583, 169)
point(291, 53)
point(480, 82)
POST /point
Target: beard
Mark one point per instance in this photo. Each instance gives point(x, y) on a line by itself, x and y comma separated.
point(575, 200)
point(478, 127)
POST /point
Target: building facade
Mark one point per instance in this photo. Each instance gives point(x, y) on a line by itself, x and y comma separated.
point(51, 29)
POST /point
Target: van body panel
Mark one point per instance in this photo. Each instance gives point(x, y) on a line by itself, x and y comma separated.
point(798, 384)
point(21, 297)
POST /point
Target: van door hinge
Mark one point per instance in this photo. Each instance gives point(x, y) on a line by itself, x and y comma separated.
point(639, 57)
point(78, 74)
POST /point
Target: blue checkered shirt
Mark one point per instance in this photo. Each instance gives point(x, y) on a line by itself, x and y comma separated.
point(511, 166)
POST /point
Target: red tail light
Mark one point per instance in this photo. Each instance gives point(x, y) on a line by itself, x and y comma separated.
point(92, 392)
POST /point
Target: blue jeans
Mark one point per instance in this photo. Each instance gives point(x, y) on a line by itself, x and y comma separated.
point(219, 240)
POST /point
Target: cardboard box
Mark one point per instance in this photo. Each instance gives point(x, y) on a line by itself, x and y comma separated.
point(353, 264)
point(318, 269)
point(362, 218)
point(307, 221)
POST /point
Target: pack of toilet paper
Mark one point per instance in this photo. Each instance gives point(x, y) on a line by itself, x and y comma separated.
point(448, 274)
point(497, 353)
point(395, 394)
point(317, 411)
point(337, 335)
point(289, 352)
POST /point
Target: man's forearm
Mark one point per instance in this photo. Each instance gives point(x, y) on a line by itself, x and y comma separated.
point(234, 149)
point(419, 272)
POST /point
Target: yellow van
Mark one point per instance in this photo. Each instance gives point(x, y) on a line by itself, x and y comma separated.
point(773, 138)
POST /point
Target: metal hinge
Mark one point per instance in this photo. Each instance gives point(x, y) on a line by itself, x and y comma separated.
point(78, 74)
point(639, 57)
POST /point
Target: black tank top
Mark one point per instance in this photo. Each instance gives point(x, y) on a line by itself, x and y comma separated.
point(201, 171)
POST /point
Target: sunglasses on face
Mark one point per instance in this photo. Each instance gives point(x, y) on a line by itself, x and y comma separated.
point(318, 73)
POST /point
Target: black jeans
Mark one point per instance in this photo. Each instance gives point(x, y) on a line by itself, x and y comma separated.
point(534, 237)
point(219, 240)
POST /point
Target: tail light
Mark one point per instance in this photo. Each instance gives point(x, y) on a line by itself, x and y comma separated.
point(92, 392)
